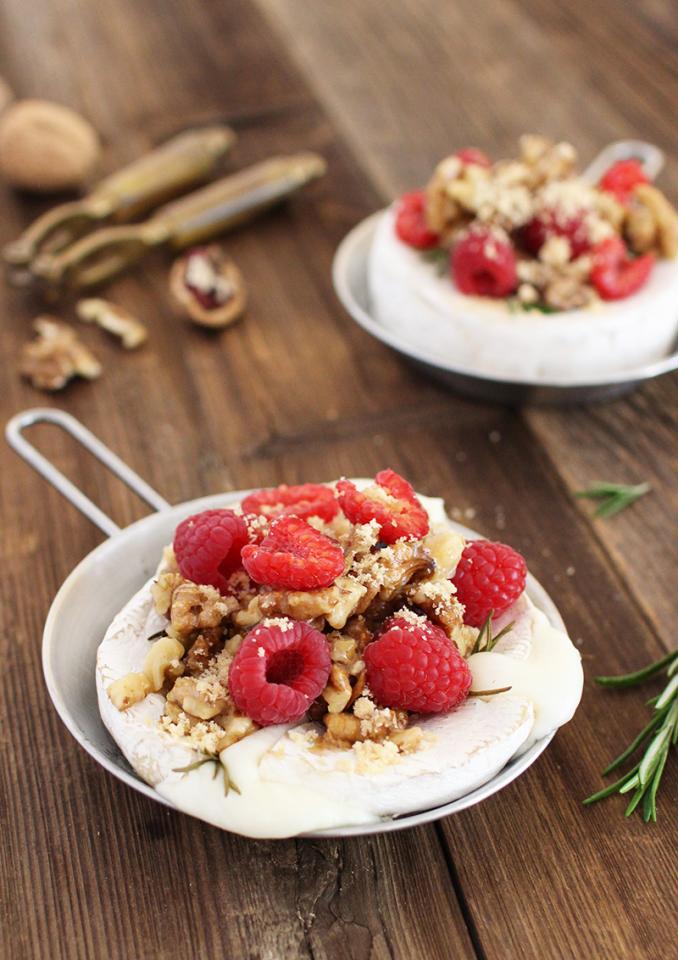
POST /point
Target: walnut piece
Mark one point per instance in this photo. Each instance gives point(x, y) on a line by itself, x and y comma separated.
point(201, 651)
point(189, 606)
point(114, 319)
point(648, 202)
point(56, 356)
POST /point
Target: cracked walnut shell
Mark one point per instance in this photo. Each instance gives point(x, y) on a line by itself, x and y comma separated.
point(208, 287)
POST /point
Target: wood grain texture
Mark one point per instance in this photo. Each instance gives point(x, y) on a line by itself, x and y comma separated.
point(87, 867)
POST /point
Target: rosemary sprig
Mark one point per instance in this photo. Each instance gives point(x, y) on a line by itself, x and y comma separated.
point(517, 306)
point(614, 496)
point(439, 257)
point(488, 693)
point(485, 641)
point(645, 776)
point(218, 765)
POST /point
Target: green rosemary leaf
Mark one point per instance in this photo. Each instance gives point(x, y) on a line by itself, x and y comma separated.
point(633, 746)
point(192, 766)
point(488, 693)
point(645, 777)
point(630, 784)
point(439, 257)
point(612, 788)
point(156, 636)
point(628, 679)
point(637, 797)
point(650, 803)
point(493, 641)
point(668, 694)
point(485, 641)
point(615, 496)
point(483, 633)
point(648, 765)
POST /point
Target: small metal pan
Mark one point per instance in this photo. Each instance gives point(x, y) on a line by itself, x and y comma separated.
point(105, 580)
point(349, 272)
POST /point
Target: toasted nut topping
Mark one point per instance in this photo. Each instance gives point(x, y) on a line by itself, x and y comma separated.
point(128, 690)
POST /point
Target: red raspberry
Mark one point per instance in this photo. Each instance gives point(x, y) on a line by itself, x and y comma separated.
point(392, 503)
point(621, 179)
point(415, 666)
point(614, 275)
point(411, 224)
point(484, 264)
point(472, 156)
point(554, 223)
point(294, 556)
point(207, 547)
point(306, 500)
point(489, 576)
point(281, 667)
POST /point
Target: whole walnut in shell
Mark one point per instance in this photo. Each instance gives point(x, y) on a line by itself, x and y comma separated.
point(46, 147)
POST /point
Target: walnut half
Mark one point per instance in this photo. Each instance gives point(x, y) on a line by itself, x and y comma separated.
point(56, 356)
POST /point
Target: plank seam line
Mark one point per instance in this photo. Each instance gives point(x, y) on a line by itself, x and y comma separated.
point(464, 905)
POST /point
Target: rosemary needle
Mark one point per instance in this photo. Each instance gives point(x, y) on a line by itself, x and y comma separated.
point(614, 497)
point(662, 732)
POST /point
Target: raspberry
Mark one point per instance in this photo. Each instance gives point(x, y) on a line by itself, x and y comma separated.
point(553, 223)
point(411, 224)
point(473, 157)
point(484, 264)
point(415, 666)
point(613, 274)
point(621, 178)
point(294, 556)
point(207, 547)
point(306, 500)
point(280, 668)
point(392, 503)
point(489, 577)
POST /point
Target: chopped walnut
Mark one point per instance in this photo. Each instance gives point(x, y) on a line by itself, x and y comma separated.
point(547, 161)
point(438, 601)
point(114, 319)
point(198, 607)
point(556, 251)
point(337, 693)
point(56, 356)
point(204, 697)
point(201, 651)
point(568, 293)
point(664, 239)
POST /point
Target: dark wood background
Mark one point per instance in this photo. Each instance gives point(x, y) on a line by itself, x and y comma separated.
point(89, 868)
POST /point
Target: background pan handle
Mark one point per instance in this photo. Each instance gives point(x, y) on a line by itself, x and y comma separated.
point(16, 440)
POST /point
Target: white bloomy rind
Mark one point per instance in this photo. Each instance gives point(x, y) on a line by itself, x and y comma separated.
point(411, 299)
point(286, 788)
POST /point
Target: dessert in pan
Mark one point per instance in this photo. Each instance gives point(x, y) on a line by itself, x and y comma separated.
point(329, 655)
point(523, 268)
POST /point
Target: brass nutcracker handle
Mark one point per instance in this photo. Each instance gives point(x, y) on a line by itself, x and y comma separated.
point(166, 171)
point(198, 217)
point(233, 200)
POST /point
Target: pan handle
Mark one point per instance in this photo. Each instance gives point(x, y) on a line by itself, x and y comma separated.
point(16, 440)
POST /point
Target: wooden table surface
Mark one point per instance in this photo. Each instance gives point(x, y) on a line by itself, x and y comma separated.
point(89, 868)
